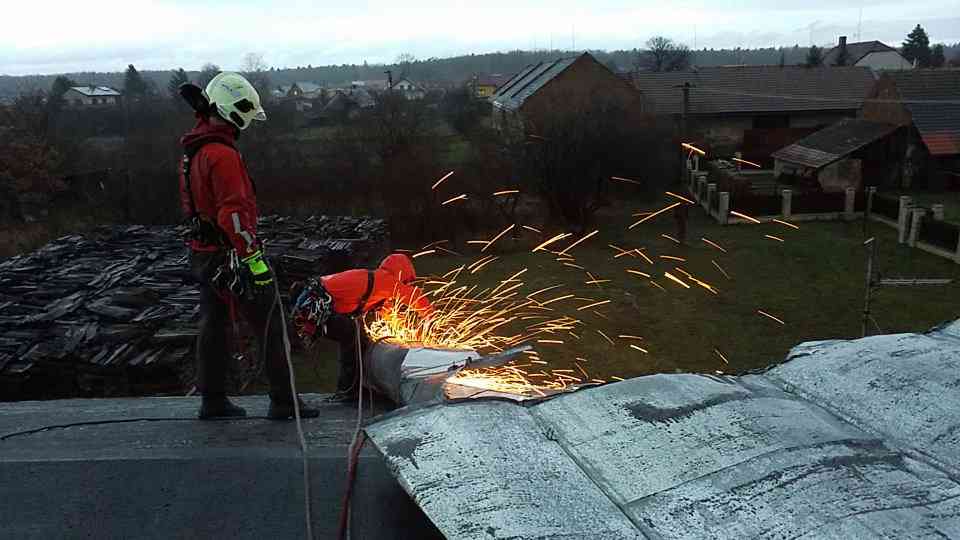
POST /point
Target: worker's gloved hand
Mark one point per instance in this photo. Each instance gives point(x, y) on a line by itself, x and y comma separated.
point(262, 276)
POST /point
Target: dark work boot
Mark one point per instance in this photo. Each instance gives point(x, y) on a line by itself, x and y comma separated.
point(342, 396)
point(283, 410)
point(219, 407)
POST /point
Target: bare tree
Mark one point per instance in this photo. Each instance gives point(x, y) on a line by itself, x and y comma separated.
point(207, 73)
point(254, 68)
point(405, 63)
point(663, 54)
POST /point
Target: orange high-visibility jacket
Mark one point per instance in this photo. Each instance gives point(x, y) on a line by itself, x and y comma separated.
point(390, 281)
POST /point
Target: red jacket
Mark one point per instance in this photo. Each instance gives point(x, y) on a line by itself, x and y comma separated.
point(222, 191)
point(391, 281)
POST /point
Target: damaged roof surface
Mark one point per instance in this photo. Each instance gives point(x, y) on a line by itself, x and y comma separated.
point(933, 98)
point(515, 92)
point(833, 142)
point(848, 439)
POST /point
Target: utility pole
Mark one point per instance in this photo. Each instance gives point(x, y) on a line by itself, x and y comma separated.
point(389, 74)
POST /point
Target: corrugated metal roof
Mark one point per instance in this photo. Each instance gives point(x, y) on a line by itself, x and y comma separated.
point(834, 142)
point(856, 51)
point(96, 91)
point(513, 94)
point(757, 89)
point(857, 439)
point(938, 123)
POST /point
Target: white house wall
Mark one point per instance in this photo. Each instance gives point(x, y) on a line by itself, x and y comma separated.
point(884, 60)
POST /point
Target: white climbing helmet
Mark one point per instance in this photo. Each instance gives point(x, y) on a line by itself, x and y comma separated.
point(235, 98)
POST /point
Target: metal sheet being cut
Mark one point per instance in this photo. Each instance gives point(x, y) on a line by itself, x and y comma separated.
point(848, 439)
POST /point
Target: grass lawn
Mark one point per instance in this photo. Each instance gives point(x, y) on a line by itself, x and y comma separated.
point(813, 281)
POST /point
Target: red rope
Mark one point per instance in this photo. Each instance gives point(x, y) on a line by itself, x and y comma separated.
point(351, 477)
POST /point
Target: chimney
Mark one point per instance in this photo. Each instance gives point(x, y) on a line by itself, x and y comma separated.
point(843, 42)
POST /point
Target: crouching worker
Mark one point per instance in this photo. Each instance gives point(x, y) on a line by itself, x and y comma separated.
point(333, 306)
point(226, 257)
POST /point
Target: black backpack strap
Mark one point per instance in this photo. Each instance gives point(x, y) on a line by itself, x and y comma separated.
point(371, 277)
point(204, 230)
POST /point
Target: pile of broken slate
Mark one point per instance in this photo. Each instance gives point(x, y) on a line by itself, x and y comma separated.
point(114, 312)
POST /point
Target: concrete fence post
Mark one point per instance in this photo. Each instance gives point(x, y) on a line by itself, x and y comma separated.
point(957, 258)
point(849, 203)
point(937, 210)
point(871, 193)
point(903, 219)
point(711, 193)
point(915, 218)
point(786, 205)
point(723, 212)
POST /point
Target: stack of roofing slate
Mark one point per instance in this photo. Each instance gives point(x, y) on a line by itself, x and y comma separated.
point(115, 312)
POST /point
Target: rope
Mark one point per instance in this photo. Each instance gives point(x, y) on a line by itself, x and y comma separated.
point(308, 517)
point(353, 454)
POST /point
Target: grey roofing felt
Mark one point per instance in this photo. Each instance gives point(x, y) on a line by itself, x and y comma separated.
point(512, 94)
point(856, 52)
point(857, 439)
point(831, 143)
point(96, 91)
point(757, 89)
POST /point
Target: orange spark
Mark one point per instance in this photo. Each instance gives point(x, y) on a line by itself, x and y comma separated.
point(770, 236)
point(682, 198)
point(571, 265)
point(720, 268)
point(462, 197)
point(769, 316)
point(672, 239)
point(693, 148)
point(595, 304)
point(644, 255)
point(674, 278)
point(641, 349)
point(738, 160)
point(571, 246)
point(533, 229)
point(672, 258)
point(440, 181)
point(722, 357)
point(422, 253)
point(791, 225)
point(556, 238)
point(744, 216)
point(628, 336)
point(626, 180)
point(714, 244)
point(606, 337)
point(505, 192)
point(616, 378)
point(551, 341)
point(639, 273)
point(497, 237)
point(657, 285)
point(657, 213)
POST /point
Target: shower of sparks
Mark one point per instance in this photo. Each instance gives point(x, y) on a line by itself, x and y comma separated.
point(621, 179)
point(720, 268)
point(675, 279)
point(637, 272)
point(422, 253)
point(440, 181)
point(788, 224)
point(505, 192)
point(578, 242)
point(670, 238)
point(722, 357)
point(693, 148)
point(713, 244)
point(752, 164)
point(462, 197)
point(769, 316)
point(655, 214)
point(681, 197)
point(744, 216)
point(770, 236)
point(497, 237)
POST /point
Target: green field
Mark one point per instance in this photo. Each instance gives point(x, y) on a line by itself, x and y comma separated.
point(813, 281)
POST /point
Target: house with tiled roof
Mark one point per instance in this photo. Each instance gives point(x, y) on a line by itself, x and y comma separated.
point(547, 88)
point(754, 109)
point(870, 54)
point(925, 105)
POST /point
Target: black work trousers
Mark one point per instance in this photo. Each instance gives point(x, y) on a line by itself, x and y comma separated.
point(212, 353)
point(343, 330)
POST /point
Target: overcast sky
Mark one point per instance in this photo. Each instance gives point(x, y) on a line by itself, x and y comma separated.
point(57, 36)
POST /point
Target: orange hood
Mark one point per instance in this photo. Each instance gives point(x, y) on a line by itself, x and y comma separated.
point(400, 266)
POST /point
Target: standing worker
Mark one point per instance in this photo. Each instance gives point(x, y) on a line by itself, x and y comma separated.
point(227, 258)
point(332, 307)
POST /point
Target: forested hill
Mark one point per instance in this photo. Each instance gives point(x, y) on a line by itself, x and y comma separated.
point(455, 69)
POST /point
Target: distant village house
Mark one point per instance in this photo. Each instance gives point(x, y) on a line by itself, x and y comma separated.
point(87, 96)
point(408, 89)
point(870, 54)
